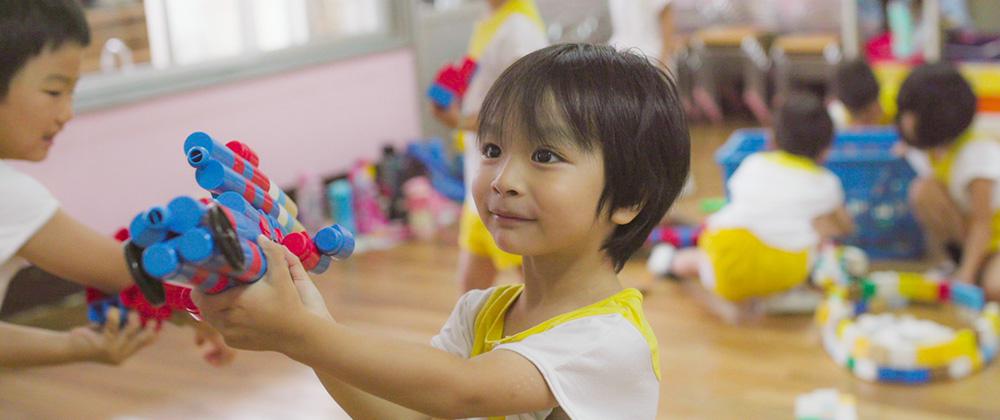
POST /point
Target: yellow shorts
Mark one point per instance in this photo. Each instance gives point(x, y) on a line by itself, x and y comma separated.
point(473, 237)
point(741, 266)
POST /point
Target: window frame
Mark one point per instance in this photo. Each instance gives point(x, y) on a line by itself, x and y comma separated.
point(97, 91)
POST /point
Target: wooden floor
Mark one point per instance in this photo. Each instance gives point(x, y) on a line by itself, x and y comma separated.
point(710, 370)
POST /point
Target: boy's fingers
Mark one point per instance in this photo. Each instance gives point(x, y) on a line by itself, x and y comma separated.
point(132, 325)
point(112, 320)
point(275, 255)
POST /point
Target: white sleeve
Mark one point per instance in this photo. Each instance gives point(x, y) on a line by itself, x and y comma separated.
point(458, 332)
point(25, 206)
point(919, 161)
point(658, 5)
point(597, 367)
point(520, 38)
point(980, 159)
point(832, 193)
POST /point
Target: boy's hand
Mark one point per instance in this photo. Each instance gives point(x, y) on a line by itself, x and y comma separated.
point(214, 348)
point(263, 315)
point(113, 345)
point(450, 116)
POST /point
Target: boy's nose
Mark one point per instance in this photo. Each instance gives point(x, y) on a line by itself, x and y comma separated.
point(65, 113)
point(507, 181)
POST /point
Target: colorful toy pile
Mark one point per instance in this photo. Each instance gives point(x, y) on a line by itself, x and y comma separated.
point(886, 348)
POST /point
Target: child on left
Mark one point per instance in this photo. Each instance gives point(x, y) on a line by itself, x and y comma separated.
point(41, 50)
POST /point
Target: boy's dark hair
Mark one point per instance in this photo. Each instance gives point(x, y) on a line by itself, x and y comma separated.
point(802, 126)
point(620, 104)
point(29, 26)
point(942, 101)
point(854, 84)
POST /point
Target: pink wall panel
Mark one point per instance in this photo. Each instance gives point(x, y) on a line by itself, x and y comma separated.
point(109, 164)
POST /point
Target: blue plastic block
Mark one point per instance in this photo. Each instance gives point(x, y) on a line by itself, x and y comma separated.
point(915, 376)
point(440, 95)
point(968, 295)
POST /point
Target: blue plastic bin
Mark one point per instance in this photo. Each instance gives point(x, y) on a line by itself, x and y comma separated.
point(875, 185)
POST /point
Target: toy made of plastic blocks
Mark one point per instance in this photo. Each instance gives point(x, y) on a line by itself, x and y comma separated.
point(211, 244)
point(451, 83)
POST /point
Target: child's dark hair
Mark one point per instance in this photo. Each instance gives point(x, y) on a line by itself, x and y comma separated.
point(854, 84)
point(942, 101)
point(617, 102)
point(29, 26)
point(802, 126)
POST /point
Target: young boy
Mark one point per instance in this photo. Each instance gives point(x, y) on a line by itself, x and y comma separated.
point(513, 29)
point(782, 203)
point(41, 48)
point(583, 150)
point(957, 196)
point(646, 25)
point(855, 96)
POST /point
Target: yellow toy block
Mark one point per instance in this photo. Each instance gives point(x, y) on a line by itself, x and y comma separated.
point(862, 348)
point(914, 286)
point(964, 344)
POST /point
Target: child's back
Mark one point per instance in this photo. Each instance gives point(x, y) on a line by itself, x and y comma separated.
point(782, 203)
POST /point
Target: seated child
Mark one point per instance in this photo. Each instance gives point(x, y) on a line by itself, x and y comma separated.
point(957, 195)
point(583, 150)
point(854, 95)
point(41, 49)
point(782, 205)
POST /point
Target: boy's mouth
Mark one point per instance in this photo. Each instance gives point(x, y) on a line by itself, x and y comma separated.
point(49, 138)
point(508, 216)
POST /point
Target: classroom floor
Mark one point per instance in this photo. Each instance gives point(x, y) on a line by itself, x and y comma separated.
point(710, 370)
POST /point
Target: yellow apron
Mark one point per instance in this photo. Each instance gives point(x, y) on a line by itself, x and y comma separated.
point(490, 320)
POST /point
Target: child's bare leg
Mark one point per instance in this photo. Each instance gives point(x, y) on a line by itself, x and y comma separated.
point(475, 271)
point(991, 278)
point(939, 216)
point(685, 263)
point(733, 313)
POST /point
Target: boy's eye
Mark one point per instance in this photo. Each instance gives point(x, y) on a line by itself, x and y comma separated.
point(491, 151)
point(53, 93)
point(545, 156)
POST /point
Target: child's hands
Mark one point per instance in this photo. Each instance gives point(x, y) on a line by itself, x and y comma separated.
point(114, 344)
point(264, 315)
point(213, 347)
point(450, 116)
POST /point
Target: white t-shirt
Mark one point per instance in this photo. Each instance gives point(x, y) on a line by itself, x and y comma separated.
point(636, 24)
point(777, 196)
point(25, 206)
point(978, 159)
point(516, 37)
point(597, 367)
point(840, 115)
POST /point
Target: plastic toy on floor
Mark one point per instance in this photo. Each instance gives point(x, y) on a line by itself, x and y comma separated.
point(444, 176)
point(367, 209)
point(825, 404)
point(859, 331)
point(211, 243)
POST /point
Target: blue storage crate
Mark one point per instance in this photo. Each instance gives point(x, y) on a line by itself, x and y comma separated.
point(875, 185)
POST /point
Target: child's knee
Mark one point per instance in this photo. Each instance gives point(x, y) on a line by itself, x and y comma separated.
point(926, 192)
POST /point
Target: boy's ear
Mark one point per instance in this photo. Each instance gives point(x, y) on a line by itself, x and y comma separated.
point(625, 215)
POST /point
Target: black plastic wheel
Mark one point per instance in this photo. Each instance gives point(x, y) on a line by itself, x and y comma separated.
point(226, 239)
point(150, 287)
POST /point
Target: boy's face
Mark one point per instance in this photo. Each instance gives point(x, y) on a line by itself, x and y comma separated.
point(541, 200)
point(39, 102)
